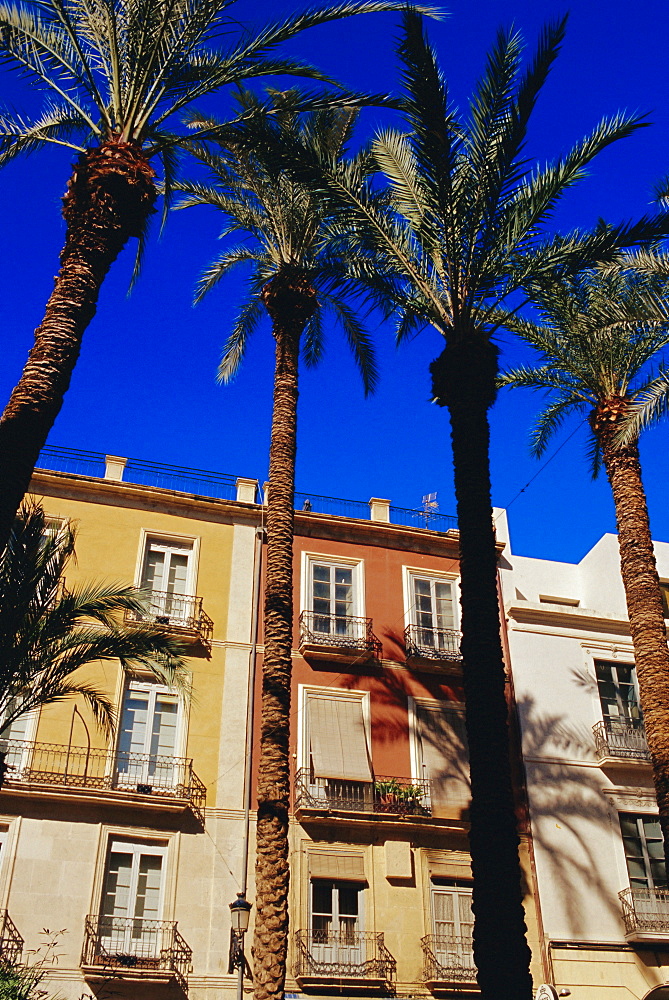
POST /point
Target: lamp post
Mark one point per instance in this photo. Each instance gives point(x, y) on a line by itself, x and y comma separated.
point(240, 912)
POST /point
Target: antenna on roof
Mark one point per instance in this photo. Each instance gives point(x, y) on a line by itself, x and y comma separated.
point(430, 506)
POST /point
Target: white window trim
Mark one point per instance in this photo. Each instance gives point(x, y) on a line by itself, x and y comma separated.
point(162, 538)
point(169, 842)
point(614, 652)
point(304, 691)
point(141, 684)
point(410, 573)
point(414, 740)
point(358, 566)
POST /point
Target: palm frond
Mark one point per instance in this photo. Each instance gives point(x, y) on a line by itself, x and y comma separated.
point(246, 323)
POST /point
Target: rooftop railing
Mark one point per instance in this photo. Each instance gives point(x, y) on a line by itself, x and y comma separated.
point(11, 942)
point(220, 486)
point(645, 911)
point(123, 944)
point(448, 959)
point(346, 954)
point(397, 796)
point(620, 738)
point(438, 644)
point(81, 769)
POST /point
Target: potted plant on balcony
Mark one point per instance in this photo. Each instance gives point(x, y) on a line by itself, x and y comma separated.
point(387, 793)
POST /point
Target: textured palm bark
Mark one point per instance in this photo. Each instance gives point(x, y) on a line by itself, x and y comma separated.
point(464, 381)
point(290, 304)
point(644, 603)
point(108, 199)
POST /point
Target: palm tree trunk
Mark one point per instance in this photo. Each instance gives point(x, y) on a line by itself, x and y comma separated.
point(464, 381)
point(290, 304)
point(644, 609)
point(109, 198)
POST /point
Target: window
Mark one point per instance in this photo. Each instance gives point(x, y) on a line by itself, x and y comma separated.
point(15, 737)
point(618, 694)
point(453, 923)
point(336, 759)
point(332, 598)
point(336, 923)
point(167, 573)
point(440, 753)
point(132, 900)
point(148, 736)
point(431, 603)
point(644, 851)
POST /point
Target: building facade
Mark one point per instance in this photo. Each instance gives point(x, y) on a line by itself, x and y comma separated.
point(130, 851)
point(595, 832)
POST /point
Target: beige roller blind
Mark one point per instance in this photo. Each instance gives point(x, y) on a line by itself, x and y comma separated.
point(443, 745)
point(337, 738)
point(347, 867)
point(449, 864)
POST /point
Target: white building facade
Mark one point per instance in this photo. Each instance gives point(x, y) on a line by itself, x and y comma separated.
point(597, 844)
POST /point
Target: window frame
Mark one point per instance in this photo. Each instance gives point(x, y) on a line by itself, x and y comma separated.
point(640, 818)
point(614, 663)
point(411, 573)
point(147, 538)
point(336, 884)
point(311, 559)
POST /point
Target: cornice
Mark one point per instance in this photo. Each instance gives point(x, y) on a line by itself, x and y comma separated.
point(565, 617)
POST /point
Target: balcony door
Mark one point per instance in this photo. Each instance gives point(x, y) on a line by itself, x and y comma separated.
point(335, 602)
point(15, 736)
point(453, 924)
point(148, 736)
point(644, 851)
point(132, 902)
point(433, 614)
point(618, 694)
point(440, 754)
point(167, 575)
point(336, 924)
point(337, 768)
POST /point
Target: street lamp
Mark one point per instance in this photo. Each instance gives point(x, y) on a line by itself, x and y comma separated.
point(240, 912)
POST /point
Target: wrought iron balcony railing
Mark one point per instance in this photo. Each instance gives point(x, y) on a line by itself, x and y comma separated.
point(339, 634)
point(11, 942)
point(175, 611)
point(150, 948)
point(645, 912)
point(347, 954)
point(383, 795)
point(435, 644)
point(84, 769)
point(620, 738)
point(448, 959)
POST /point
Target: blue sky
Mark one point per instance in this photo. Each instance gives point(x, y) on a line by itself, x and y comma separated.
point(145, 384)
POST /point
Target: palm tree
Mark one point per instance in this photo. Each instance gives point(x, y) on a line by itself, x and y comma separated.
point(295, 277)
point(454, 234)
point(119, 75)
point(597, 338)
point(48, 633)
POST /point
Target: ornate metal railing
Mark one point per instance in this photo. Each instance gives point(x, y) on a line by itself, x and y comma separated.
point(438, 644)
point(397, 796)
point(645, 910)
point(346, 633)
point(118, 944)
point(175, 611)
point(11, 942)
point(620, 739)
point(448, 959)
point(81, 768)
point(344, 954)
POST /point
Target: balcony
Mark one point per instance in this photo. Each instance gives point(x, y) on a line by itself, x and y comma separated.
point(344, 639)
point(147, 951)
point(645, 913)
point(436, 647)
point(448, 963)
point(11, 942)
point(617, 740)
point(389, 796)
point(356, 960)
point(104, 775)
point(180, 613)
